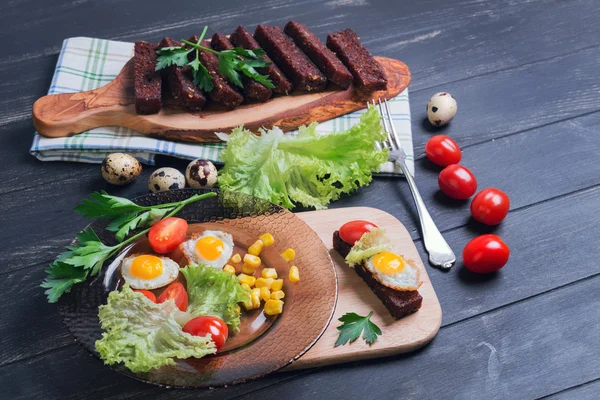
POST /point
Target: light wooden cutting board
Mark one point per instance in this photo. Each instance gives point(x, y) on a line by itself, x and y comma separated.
point(407, 334)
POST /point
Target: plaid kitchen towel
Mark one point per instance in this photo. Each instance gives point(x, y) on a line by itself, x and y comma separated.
point(88, 63)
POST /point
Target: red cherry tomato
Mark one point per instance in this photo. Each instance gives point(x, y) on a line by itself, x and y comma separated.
point(442, 150)
point(352, 231)
point(485, 253)
point(457, 182)
point(148, 294)
point(490, 206)
point(177, 292)
point(167, 234)
point(202, 326)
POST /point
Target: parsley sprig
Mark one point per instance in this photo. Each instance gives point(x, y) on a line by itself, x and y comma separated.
point(86, 257)
point(354, 325)
point(232, 63)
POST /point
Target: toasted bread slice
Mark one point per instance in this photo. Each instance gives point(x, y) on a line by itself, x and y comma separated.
point(399, 303)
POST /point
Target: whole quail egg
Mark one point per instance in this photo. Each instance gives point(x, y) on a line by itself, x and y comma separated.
point(120, 168)
point(201, 174)
point(441, 108)
point(166, 179)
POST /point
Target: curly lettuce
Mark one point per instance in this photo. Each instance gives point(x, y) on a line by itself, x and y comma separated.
point(144, 335)
point(214, 292)
point(370, 243)
point(309, 169)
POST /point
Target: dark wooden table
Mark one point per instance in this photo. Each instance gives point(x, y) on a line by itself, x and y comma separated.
point(527, 79)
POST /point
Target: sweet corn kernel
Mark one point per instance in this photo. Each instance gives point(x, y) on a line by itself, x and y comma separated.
point(294, 274)
point(245, 286)
point(277, 284)
point(248, 304)
point(256, 248)
point(265, 293)
point(252, 261)
point(288, 255)
point(247, 279)
point(255, 298)
point(236, 259)
point(269, 273)
point(229, 268)
point(273, 307)
point(277, 295)
point(267, 239)
point(264, 282)
point(248, 270)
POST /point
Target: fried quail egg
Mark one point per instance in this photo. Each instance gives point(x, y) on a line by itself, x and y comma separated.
point(146, 271)
point(393, 271)
point(213, 248)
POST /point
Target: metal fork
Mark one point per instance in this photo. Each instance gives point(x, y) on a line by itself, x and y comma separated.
point(440, 254)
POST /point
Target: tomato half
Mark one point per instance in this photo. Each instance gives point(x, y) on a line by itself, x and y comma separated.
point(490, 206)
point(202, 326)
point(457, 182)
point(177, 292)
point(485, 253)
point(148, 294)
point(167, 234)
point(442, 150)
point(352, 231)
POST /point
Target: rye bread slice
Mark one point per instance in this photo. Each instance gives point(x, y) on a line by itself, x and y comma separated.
point(399, 303)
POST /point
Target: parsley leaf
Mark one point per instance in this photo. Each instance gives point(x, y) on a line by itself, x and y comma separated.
point(103, 205)
point(354, 325)
point(231, 63)
point(87, 255)
point(141, 221)
point(168, 56)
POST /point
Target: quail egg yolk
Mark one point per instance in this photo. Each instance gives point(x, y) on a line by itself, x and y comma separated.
point(146, 267)
point(209, 247)
point(388, 263)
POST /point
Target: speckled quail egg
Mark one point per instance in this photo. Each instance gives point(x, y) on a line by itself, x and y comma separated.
point(120, 168)
point(166, 179)
point(441, 108)
point(201, 174)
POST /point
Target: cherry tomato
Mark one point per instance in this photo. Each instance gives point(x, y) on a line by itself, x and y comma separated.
point(167, 234)
point(457, 182)
point(490, 206)
point(202, 326)
point(148, 294)
point(352, 231)
point(485, 253)
point(177, 292)
point(442, 150)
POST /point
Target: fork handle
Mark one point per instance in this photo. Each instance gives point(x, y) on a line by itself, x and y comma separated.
point(440, 253)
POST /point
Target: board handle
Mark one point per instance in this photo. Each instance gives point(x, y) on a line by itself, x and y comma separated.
point(67, 114)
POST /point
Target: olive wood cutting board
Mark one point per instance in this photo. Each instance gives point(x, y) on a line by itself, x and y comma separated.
point(60, 115)
point(407, 334)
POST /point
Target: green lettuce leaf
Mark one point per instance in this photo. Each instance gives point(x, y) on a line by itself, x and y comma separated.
point(370, 243)
point(214, 292)
point(309, 169)
point(143, 335)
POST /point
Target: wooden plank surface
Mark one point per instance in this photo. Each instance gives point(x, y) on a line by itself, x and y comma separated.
point(525, 76)
point(398, 336)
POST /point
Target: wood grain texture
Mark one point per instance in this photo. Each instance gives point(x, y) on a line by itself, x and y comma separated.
point(60, 115)
point(408, 334)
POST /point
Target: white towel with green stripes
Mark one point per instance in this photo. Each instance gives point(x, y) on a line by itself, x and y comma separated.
point(88, 63)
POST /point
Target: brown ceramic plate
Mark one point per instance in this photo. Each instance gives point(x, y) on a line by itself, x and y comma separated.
point(264, 344)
